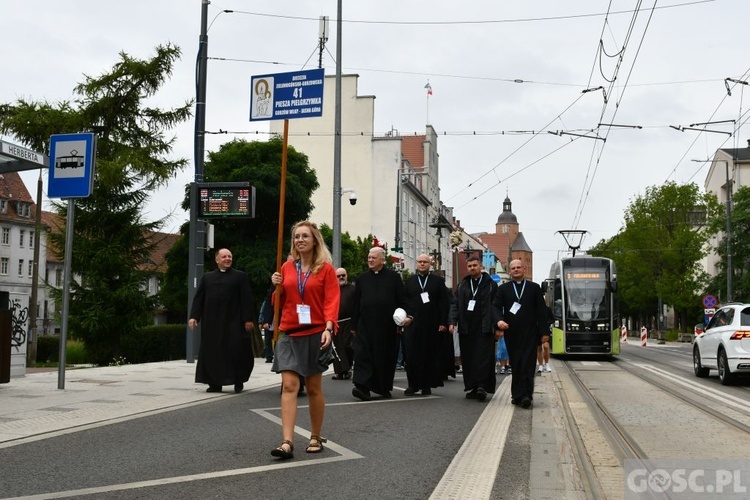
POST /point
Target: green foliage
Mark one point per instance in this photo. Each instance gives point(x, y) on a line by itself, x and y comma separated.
point(253, 242)
point(155, 343)
point(353, 252)
point(111, 248)
point(173, 292)
point(48, 351)
point(658, 251)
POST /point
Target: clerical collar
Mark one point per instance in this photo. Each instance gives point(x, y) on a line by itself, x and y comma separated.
point(223, 270)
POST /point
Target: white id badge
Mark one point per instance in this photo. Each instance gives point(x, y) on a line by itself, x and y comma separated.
point(470, 306)
point(303, 314)
point(425, 297)
point(515, 307)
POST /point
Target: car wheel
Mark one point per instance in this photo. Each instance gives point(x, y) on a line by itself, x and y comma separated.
point(725, 376)
point(698, 368)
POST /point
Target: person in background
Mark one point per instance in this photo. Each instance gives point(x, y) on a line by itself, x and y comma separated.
point(523, 324)
point(343, 339)
point(223, 305)
point(428, 298)
point(309, 302)
point(378, 292)
point(266, 323)
point(503, 367)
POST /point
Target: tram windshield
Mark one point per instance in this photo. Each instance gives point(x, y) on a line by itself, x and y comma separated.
point(586, 295)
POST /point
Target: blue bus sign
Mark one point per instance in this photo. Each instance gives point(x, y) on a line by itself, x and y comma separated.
point(284, 96)
point(71, 165)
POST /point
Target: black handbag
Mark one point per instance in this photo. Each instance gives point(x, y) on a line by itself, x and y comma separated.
point(327, 356)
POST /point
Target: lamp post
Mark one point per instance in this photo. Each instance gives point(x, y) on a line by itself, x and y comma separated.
point(730, 269)
point(336, 243)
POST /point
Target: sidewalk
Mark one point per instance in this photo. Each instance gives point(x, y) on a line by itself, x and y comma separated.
point(32, 407)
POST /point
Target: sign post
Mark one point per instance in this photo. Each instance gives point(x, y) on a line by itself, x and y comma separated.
point(71, 175)
point(284, 96)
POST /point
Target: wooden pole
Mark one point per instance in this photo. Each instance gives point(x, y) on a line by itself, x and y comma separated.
point(280, 236)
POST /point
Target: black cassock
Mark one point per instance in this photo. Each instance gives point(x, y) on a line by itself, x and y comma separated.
point(525, 329)
point(423, 343)
point(222, 305)
point(476, 331)
point(375, 344)
point(343, 337)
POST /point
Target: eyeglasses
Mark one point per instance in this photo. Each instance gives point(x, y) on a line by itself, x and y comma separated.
point(341, 275)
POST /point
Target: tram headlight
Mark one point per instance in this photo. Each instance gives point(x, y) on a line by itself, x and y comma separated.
point(602, 327)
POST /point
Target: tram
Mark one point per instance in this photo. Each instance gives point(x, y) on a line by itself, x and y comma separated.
point(580, 295)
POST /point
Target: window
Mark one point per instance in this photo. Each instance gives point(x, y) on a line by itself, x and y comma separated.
point(20, 268)
point(6, 236)
point(4, 262)
point(31, 268)
point(21, 237)
point(58, 277)
point(31, 239)
point(4, 206)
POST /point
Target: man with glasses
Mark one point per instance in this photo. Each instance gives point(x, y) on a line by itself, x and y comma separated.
point(343, 338)
point(428, 298)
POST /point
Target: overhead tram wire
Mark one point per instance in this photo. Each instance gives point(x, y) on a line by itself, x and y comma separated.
point(582, 205)
point(543, 130)
point(485, 21)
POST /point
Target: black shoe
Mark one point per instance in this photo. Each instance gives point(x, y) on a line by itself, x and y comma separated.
point(269, 360)
point(481, 394)
point(472, 394)
point(386, 395)
point(362, 394)
point(214, 388)
point(409, 391)
point(426, 392)
point(514, 402)
point(526, 402)
point(238, 388)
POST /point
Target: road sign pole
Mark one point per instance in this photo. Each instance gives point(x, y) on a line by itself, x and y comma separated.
point(66, 293)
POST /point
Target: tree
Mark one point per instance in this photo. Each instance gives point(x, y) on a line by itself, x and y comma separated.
point(658, 251)
point(353, 252)
point(253, 242)
point(112, 241)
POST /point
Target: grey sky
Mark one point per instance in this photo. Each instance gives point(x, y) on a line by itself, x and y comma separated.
point(474, 55)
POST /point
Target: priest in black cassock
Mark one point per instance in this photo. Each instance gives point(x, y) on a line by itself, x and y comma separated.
point(378, 293)
point(524, 325)
point(477, 322)
point(424, 338)
point(223, 305)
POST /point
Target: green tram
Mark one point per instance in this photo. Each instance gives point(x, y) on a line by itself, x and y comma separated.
point(580, 295)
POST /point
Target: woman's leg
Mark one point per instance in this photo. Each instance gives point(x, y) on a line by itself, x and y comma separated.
point(289, 388)
point(317, 402)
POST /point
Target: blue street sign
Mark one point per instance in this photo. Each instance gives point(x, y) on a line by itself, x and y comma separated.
point(284, 96)
point(71, 165)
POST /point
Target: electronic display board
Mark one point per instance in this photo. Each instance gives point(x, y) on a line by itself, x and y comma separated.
point(230, 200)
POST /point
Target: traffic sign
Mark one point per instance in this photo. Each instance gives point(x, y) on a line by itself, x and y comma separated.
point(284, 96)
point(71, 169)
point(710, 301)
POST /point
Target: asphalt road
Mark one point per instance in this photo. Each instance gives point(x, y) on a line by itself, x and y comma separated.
point(398, 448)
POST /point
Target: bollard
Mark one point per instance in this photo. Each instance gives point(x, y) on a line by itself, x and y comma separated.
point(624, 331)
point(644, 336)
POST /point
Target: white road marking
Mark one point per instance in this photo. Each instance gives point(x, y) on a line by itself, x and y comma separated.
point(472, 472)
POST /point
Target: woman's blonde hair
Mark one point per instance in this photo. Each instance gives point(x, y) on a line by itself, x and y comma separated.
point(321, 254)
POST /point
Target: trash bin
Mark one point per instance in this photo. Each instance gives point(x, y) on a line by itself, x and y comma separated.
point(6, 331)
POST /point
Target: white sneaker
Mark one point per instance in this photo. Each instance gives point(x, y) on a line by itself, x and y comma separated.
point(540, 369)
point(547, 368)
point(502, 370)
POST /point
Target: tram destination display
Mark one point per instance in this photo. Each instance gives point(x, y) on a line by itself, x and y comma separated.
point(232, 200)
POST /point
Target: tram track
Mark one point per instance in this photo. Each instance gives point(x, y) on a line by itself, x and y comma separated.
point(622, 445)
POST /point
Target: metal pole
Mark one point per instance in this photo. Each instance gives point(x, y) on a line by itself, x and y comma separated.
point(197, 228)
point(33, 330)
point(337, 149)
point(66, 293)
point(730, 270)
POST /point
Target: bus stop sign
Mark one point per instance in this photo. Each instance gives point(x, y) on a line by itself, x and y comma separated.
point(71, 165)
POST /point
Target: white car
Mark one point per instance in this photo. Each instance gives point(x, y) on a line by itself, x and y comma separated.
point(725, 344)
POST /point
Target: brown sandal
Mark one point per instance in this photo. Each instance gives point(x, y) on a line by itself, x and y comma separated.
point(281, 452)
point(316, 444)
